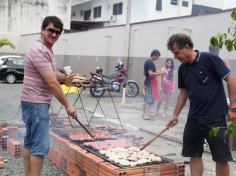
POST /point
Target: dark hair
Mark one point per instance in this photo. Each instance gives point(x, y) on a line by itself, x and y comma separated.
point(52, 19)
point(180, 40)
point(155, 52)
point(171, 73)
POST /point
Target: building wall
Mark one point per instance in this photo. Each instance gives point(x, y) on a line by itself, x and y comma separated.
point(141, 13)
point(220, 4)
point(141, 10)
point(9, 13)
point(26, 16)
point(107, 9)
point(104, 47)
point(109, 41)
point(168, 10)
point(210, 3)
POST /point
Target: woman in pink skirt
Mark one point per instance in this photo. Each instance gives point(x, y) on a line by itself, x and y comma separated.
point(167, 84)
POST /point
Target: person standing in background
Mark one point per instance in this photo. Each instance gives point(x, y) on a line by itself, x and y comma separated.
point(41, 81)
point(167, 85)
point(150, 83)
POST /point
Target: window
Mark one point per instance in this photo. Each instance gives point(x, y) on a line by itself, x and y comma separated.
point(174, 2)
point(185, 3)
point(97, 12)
point(18, 62)
point(87, 14)
point(159, 5)
point(117, 8)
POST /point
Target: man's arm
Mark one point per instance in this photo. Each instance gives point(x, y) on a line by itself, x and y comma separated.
point(50, 78)
point(60, 76)
point(63, 78)
point(231, 84)
point(157, 73)
point(181, 101)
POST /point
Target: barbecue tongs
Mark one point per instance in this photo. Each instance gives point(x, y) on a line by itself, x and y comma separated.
point(85, 128)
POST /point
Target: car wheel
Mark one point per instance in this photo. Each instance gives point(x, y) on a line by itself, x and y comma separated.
point(10, 78)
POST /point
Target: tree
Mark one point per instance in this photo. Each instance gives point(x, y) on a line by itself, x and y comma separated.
point(227, 39)
point(6, 42)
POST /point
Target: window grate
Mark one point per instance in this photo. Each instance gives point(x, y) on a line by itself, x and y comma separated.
point(97, 12)
point(159, 5)
point(174, 2)
point(117, 8)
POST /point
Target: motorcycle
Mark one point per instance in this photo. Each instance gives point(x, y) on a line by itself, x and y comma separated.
point(113, 83)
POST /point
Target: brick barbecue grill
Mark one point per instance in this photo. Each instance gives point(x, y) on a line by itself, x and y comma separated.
point(75, 158)
point(78, 159)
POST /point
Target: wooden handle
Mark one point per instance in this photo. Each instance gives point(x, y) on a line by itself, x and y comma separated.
point(155, 137)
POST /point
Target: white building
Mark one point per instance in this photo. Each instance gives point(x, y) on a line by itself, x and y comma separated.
point(219, 4)
point(114, 12)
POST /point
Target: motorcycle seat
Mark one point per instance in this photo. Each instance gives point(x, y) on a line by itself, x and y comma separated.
point(113, 76)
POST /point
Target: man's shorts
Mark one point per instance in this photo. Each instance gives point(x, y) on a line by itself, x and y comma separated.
point(148, 95)
point(36, 118)
point(197, 130)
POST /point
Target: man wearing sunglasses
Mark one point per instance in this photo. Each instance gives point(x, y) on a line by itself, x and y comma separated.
point(41, 81)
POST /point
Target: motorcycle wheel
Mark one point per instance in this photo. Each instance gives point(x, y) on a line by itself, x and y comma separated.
point(132, 89)
point(96, 90)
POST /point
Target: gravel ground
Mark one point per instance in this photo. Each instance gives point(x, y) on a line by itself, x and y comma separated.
point(10, 100)
point(14, 167)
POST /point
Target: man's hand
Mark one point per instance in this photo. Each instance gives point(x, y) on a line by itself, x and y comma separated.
point(70, 110)
point(231, 116)
point(69, 79)
point(173, 121)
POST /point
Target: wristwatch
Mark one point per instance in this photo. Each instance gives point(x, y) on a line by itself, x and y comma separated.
point(233, 109)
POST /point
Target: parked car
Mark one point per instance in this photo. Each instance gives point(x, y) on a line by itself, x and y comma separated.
point(11, 68)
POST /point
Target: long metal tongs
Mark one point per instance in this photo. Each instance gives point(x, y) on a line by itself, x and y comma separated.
point(155, 137)
point(85, 128)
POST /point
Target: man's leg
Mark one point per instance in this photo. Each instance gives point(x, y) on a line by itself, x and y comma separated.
point(196, 166)
point(219, 146)
point(222, 169)
point(36, 165)
point(26, 158)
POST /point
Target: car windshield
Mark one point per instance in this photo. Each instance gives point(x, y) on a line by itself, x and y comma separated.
point(18, 62)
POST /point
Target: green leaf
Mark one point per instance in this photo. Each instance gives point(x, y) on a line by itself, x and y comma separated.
point(214, 41)
point(233, 14)
point(229, 45)
point(220, 41)
point(214, 132)
point(226, 38)
point(234, 45)
point(6, 42)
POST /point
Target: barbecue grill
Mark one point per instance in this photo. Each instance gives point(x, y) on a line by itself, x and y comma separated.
point(132, 138)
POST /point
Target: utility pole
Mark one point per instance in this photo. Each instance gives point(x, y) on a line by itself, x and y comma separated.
point(127, 33)
point(127, 43)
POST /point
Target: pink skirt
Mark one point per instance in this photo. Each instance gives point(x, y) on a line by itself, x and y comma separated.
point(155, 95)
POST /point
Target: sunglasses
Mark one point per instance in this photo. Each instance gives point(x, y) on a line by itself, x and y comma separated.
point(52, 31)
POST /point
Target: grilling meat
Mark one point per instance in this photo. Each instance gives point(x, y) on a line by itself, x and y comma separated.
point(106, 144)
point(84, 136)
point(131, 156)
